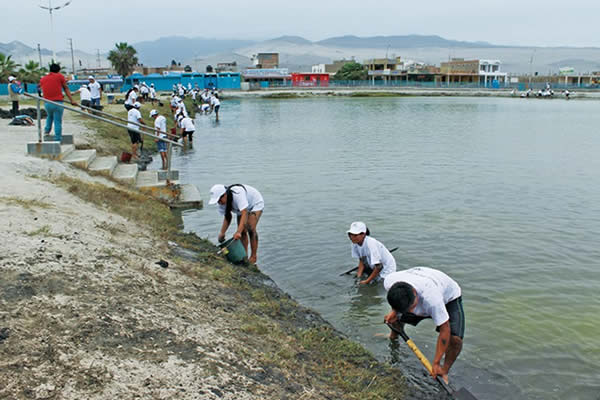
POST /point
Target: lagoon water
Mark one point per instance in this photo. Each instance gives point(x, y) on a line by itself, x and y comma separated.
point(502, 194)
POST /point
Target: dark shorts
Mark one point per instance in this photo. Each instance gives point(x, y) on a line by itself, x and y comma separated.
point(86, 103)
point(188, 133)
point(217, 108)
point(455, 311)
point(134, 136)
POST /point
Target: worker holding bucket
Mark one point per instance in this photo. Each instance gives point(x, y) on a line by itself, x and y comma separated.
point(248, 204)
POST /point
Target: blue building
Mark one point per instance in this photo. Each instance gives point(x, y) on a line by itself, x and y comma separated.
point(165, 82)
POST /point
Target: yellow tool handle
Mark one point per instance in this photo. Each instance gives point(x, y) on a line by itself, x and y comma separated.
point(419, 355)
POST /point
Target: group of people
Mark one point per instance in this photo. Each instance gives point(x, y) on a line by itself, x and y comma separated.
point(414, 294)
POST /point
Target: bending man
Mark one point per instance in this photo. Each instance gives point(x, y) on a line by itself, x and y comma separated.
point(420, 293)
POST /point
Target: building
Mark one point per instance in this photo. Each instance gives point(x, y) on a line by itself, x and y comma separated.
point(266, 60)
point(266, 77)
point(227, 67)
point(489, 72)
point(386, 69)
point(485, 73)
point(310, 80)
point(166, 80)
point(330, 68)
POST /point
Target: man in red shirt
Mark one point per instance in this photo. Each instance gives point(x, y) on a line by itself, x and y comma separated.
point(52, 86)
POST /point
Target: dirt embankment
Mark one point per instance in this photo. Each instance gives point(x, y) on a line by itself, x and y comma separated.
point(86, 313)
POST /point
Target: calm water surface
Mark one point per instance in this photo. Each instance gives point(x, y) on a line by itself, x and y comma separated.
point(501, 194)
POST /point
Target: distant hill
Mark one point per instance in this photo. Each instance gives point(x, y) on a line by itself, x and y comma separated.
point(18, 49)
point(184, 50)
point(408, 41)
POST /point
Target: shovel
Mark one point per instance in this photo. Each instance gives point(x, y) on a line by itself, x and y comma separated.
point(460, 394)
point(355, 268)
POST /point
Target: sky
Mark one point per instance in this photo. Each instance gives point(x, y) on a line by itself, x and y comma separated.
point(94, 24)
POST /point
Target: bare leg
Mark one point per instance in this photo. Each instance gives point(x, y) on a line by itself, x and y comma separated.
point(163, 157)
point(244, 238)
point(134, 151)
point(452, 353)
point(253, 219)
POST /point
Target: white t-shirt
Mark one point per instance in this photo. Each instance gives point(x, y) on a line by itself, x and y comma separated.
point(85, 94)
point(95, 89)
point(160, 123)
point(152, 93)
point(250, 199)
point(214, 101)
point(133, 115)
point(132, 98)
point(434, 289)
point(373, 252)
point(144, 89)
point(187, 124)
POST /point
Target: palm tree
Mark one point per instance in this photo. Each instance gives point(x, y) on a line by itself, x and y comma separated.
point(123, 59)
point(7, 67)
point(32, 72)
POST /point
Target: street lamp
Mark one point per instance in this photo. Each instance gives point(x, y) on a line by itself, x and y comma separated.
point(50, 9)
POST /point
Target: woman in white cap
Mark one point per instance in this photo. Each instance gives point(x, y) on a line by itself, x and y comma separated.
point(374, 258)
point(14, 90)
point(131, 97)
point(248, 204)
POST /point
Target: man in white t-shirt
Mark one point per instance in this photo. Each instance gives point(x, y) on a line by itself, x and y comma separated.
point(420, 293)
point(215, 105)
point(134, 117)
point(187, 128)
point(152, 93)
point(248, 204)
point(84, 96)
point(160, 130)
point(95, 91)
point(374, 258)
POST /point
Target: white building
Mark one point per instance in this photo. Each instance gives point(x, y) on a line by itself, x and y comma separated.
point(489, 71)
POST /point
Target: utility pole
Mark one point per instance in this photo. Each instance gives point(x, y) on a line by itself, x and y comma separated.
point(72, 57)
point(50, 9)
point(98, 58)
point(40, 54)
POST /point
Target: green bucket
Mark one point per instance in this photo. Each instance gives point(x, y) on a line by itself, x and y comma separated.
point(233, 250)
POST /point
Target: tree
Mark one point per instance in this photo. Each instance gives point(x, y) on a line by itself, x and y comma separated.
point(31, 72)
point(351, 71)
point(7, 67)
point(209, 68)
point(187, 68)
point(123, 59)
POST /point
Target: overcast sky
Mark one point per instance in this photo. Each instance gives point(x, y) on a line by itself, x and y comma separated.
point(99, 24)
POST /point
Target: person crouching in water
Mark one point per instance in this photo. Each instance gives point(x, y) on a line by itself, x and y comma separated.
point(374, 258)
point(248, 204)
point(160, 127)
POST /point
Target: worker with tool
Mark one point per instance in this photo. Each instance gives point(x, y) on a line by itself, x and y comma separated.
point(419, 293)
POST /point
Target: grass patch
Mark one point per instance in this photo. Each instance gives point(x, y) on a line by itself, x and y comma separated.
point(28, 204)
point(43, 231)
point(134, 206)
point(290, 95)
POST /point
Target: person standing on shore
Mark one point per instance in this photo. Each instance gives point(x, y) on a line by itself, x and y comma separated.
point(134, 117)
point(52, 87)
point(248, 204)
point(131, 97)
point(419, 293)
point(374, 258)
point(152, 93)
point(14, 91)
point(160, 127)
point(95, 91)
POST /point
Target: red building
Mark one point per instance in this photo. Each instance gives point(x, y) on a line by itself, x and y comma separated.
point(310, 79)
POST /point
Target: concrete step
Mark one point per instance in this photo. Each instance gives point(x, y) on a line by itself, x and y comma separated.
point(104, 165)
point(81, 158)
point(189, 197)
point(65, 150)
point(147, 178)
point(126, 173)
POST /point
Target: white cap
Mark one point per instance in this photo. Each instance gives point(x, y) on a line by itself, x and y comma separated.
point(153, 113)
point(136, 87)
point(137, 104)
point(11, 78)
point(357, 227)
point(90, 77)
point(216, 192)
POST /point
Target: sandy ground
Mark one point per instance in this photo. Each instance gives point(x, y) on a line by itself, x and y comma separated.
point(69, 328)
